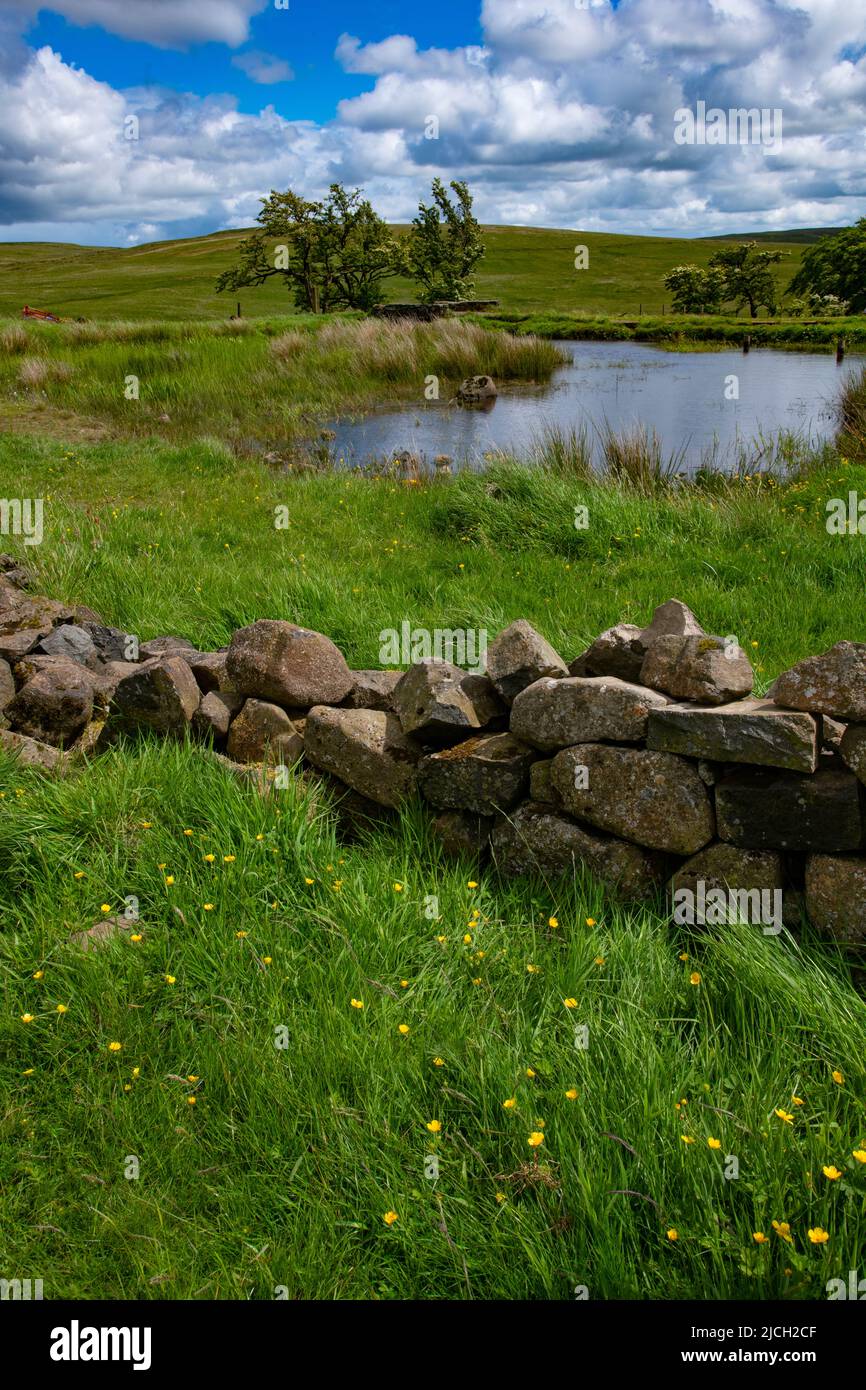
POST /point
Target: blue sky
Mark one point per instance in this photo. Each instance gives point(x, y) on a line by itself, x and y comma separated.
point(558, 112)
point(305, 37)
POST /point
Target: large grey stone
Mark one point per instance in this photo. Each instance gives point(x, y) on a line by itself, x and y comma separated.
point(462, 834)
point(484, 774)
point(697, 668)
point(261, 731)
point(215, 713)
point(288, 665)
point(54, 705)
point(518, 656)
point(836, 896)
point(69, 640)
point(655, 799)
point(833, 683)
point(373, 690)
point(618, 651)
point(366, 749)
point(536, 839)
point(747, 731)
point(30, 752)
point(760, 808)
point(160, 695)
point(727, 866)
point(437, 701)
point(7, 684)
point(582, 709)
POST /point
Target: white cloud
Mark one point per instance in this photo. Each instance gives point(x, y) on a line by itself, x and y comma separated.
point(165, 23)
point(263, 67)
point(565, 117)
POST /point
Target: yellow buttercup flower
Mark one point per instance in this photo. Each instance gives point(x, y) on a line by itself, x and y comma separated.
point(208, 907)
point(783, 1230)
point(209, 858)
point(438, 1062)
point(590, 921)
point(228, 858)
point(831, 1172)
point(553, 921)
point(784, 1116)
point(536, 1139)
point(169, 880)
point(62, 1008)
point(38, 974)
point(818, 1236)
point(687, 1138)
point(860, 1155)
point(114, 1046)
point(530, 1073)
point(472, 883)
point(570, 1003)
point(673, 1233)
point(509, 1104)
point(837, 1077)
point(759, 1237)
point(170, 979)
point(599, 960)
point(434, 1126)
point(714, 1143)
point(398, 888)
point(136, 936)
point(105, 907)
point(571, 1095)
point(532, 969)
point(357, 1003)
point(695, 978)
point(403, 1028)
point(26, 1018)
point(390, 1217)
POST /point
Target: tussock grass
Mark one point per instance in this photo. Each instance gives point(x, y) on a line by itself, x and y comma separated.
point(253, 383)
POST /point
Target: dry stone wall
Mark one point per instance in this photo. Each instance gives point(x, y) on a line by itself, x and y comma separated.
point(646, 760)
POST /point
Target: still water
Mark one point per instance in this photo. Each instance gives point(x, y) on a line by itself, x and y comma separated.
point(687, 398)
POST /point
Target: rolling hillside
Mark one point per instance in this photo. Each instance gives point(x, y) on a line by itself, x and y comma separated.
point(528, 269)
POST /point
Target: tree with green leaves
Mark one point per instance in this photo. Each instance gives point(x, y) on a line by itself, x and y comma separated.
point(746, 276)
point(694, 290)
point(444, 244)
point(836, 266)
point(332, 255)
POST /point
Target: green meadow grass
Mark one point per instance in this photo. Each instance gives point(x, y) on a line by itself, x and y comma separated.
point(280, 1175)
point(528, 269)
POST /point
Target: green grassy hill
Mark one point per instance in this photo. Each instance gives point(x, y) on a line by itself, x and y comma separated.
point(529, 269)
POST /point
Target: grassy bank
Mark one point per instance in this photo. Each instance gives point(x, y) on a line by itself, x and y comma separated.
point(671, 330)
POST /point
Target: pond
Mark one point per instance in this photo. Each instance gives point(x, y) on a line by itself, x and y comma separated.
point(704, 406)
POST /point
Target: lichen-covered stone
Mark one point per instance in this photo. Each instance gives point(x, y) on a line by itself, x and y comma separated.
point(437, 701)
point(836, 896)
point(54, 705)
point(518, 656)
point(760, 808)
point(373, 690)
point(160, 695)
point(833, 683)
point(536, 839)
point(366, 749)
point(484, 774)
point(260, 731)
point(582, 709)
point(747, 731)
point(655, 799)
point(697, 668)
point(287, 665)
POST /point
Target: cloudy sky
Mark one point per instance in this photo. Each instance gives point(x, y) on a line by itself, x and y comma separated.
point(560, 113)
